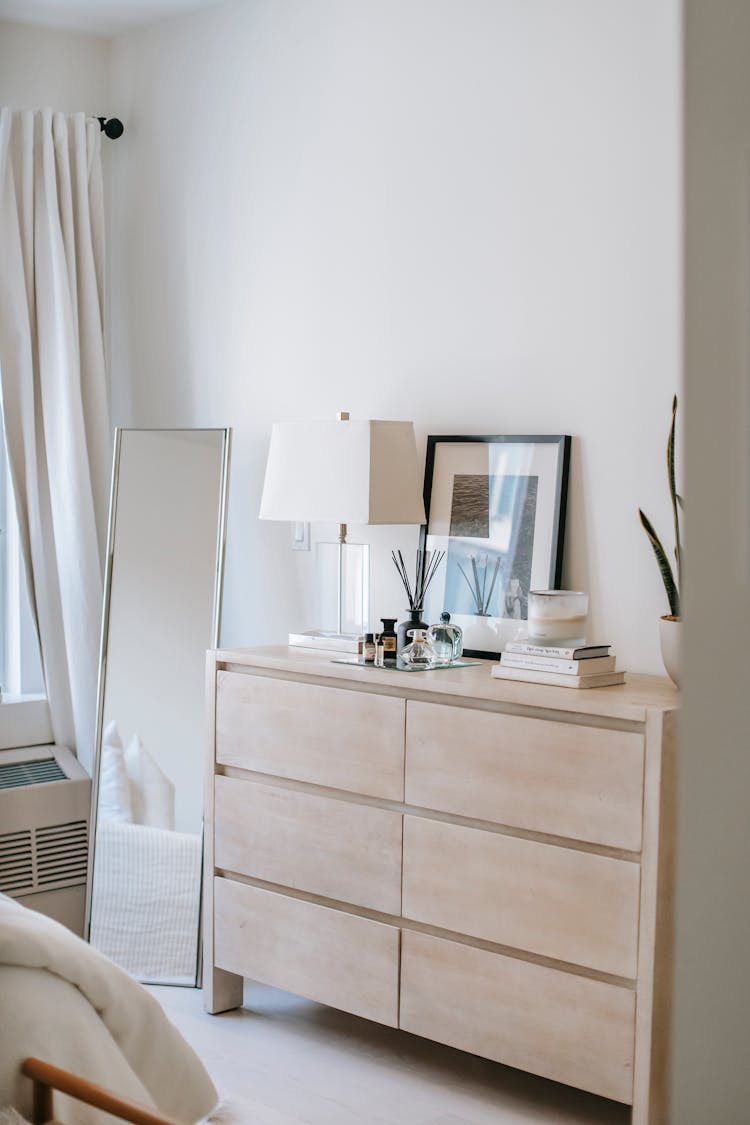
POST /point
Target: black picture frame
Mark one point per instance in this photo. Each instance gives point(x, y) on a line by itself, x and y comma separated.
point(496, 504)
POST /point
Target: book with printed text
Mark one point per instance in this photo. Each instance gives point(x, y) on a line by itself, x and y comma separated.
point(557, 679)
point(589, 667)
point(577, 652)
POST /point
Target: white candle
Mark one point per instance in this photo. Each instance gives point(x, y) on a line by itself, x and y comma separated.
point(557, 615)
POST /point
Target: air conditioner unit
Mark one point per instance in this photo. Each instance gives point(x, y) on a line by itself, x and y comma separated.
point(45, 801)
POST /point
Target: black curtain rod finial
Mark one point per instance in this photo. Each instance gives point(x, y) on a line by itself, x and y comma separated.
point(112, 127)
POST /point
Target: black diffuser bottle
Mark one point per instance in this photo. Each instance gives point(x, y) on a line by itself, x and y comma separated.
point(404, 628)
point(427, 565)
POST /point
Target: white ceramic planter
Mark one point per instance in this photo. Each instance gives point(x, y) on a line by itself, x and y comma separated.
point(482, 634)
point(670, 636)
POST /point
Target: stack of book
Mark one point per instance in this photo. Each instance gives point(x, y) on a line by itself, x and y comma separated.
point(583, 666)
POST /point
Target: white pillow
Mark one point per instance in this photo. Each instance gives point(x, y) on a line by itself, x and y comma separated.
point(114, 787)
point(151, 791)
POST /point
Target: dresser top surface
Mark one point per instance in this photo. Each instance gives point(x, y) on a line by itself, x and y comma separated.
point(629, 701)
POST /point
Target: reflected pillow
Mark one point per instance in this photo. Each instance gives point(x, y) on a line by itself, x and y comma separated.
point(151, 791)
point(114, 787)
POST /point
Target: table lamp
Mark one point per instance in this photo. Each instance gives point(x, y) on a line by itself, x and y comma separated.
point(344, 472)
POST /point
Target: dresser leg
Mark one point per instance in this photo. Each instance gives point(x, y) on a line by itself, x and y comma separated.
point(222, 991)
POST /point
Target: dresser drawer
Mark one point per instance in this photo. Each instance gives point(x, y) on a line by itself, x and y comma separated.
point(556, 1024)
point(339, 959)
point(335, 849)
point(582, 782)
point(350, 740)
point(556, 902)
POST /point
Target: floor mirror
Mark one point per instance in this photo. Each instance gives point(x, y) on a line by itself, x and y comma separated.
point(161, 613)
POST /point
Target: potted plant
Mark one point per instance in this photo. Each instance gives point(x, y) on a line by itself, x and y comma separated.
point(670, 625)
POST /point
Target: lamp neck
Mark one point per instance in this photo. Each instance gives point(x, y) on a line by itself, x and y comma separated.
point(342, 416)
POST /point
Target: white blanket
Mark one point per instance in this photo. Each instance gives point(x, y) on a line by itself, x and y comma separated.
point(146, 900)
point(62, 1001)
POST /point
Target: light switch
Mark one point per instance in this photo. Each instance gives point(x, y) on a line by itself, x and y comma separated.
point(300, 536)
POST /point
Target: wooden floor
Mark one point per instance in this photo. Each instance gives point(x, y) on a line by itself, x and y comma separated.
point(286, 1061)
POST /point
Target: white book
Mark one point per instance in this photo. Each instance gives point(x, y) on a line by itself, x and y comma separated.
point(556, 664)
point(329, 642)
point(577, 652)
point(557, 679)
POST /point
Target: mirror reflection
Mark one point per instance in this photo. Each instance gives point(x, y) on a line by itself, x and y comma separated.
point(160, 615)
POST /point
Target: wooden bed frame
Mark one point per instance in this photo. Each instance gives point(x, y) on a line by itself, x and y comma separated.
point(47, 1078)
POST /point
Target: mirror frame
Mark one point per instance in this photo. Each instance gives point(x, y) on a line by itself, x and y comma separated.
point(104, 638)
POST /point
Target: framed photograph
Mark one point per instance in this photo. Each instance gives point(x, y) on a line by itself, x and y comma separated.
point(496, 506)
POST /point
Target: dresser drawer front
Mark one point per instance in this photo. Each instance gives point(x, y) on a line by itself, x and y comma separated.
point(564, 1027)
point(350, 740)
point(335, 849)
point(326, 955)
point(581, 782)
point(556, 902)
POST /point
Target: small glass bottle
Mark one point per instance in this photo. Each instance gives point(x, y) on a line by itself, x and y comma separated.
point(420, 653)
point(446, 640)
point(369, 649)
point(388, 639)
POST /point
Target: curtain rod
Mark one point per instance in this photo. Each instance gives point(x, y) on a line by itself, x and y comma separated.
point(112, 127)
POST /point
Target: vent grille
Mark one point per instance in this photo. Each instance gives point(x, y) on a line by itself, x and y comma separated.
point(17, 774)
point(16, 862)
point(44, 858)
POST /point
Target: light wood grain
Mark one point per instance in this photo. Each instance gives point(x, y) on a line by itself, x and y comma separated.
point(551, 1023)
point(564, 780)
point(341, 959)
point(342, 739)
point(629, 701)
point(321, 750)
point(287, 1061)
point(653, 1014)
point(556, 902)
point(221, 990)
point(331, 848)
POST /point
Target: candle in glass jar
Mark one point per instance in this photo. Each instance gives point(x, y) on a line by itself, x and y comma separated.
point(557, 615)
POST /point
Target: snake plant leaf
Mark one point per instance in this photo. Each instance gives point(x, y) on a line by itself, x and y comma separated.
point(664, 567)
point(673, 490)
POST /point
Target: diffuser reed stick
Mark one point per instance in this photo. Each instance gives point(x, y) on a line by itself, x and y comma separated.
point(425, 570)
point(478, 588)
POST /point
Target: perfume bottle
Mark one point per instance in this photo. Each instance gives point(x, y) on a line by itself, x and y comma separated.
point(420, 653)
point(388, 637)
point(402, 630)
point(446, 640)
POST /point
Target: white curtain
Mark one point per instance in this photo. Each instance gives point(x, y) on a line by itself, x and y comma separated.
point(54, 394)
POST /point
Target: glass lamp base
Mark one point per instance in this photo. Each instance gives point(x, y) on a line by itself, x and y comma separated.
point(343, 587)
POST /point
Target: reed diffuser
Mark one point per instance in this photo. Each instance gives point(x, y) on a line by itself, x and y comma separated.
point(478, 584)
point(426, 569)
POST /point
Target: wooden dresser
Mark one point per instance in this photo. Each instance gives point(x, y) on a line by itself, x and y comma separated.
point(484, 863)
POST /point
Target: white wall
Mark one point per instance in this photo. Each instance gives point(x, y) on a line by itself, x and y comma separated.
point(65, 70)
point(712, 978)
point(460, 213)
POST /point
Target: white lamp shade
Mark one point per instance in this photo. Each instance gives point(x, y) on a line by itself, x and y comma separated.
point(343, 472)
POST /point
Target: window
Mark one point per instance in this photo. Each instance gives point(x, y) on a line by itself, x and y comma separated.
point(24, 718)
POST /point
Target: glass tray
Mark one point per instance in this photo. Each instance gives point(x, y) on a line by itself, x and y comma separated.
point(358, 662)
